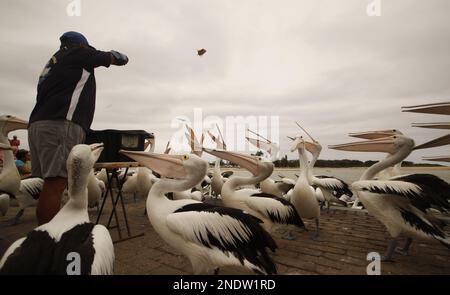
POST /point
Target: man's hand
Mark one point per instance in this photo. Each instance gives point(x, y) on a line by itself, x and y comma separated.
point(118, 59)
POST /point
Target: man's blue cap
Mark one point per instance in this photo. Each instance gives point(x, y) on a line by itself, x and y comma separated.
point(73, 37)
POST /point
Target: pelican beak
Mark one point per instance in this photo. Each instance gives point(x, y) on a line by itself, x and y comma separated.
point(442, 125)
point(96, 149)
point(13, 123)
point(171, 166)
point(442, 108)
point(437, 158)
point(250, 163)
point(5, 147)
point(311, 146)
point(374, 134)
point(291, 138)
point(383, 145)
point(443, 140)
point(219, 143)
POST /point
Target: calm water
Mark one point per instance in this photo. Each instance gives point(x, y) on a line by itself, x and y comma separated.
point(352, 174)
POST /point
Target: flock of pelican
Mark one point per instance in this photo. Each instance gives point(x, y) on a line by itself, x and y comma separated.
point(238, 231)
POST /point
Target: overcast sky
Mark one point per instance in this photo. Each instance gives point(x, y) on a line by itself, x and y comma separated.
point(324, 63)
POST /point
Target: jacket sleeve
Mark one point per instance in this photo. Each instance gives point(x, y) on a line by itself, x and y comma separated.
point(96, 58)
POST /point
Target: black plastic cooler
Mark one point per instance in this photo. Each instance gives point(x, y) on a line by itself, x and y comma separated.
point(115, 140)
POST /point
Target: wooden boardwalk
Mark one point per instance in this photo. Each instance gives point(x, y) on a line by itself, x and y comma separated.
point(347, 237)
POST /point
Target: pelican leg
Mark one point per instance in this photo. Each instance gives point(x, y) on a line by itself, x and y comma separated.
point(390, 251)
point(290, 236)
point(405, 249)
point(315, 236)
point(16, 218)
point(216, 271)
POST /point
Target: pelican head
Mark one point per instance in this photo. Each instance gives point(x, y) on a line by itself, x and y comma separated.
point(391, 145)
point(188, 166)
point(313, 146)
point(10, 123)
point(82, 158)
point(298, 143)
point(375, 134)
point(255, 164)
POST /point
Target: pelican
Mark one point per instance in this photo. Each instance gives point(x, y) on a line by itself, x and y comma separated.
point(9, 177)
point(401, 203)
point(270, 149)
point(217, 180)
point(209, 236)
point(388, 172)
point(96, 189)
point(271, 209)
point(25, 191)
point(331, 188)
point(51, 247)
point(304, 197)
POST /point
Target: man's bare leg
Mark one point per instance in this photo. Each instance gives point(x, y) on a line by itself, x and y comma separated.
point(50, 199)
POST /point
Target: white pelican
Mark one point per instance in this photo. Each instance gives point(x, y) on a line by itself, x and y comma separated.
point(96, 189)
point(331, 188)
point(388, 172)
point(9, 177)
point(304, 196)
point(270, 150)
point(277, 188)
point(102, 175)
point(217, 180)
point(48, 248)
point(4, 203)
point(209, 236)
point(271, 209)
point(400, 203)
point(25, 191)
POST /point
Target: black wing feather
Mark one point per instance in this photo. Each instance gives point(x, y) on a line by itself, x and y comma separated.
point(293, 218)
point(39, 254)
point(253, 250)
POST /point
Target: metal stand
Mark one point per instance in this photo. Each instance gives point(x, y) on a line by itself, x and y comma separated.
point(112, 174)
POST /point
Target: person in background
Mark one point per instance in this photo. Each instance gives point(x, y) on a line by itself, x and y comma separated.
point(63, 113)
point(14, 141)
point(23, 163)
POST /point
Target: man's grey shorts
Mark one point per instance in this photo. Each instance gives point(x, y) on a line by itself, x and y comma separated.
point(50, 144)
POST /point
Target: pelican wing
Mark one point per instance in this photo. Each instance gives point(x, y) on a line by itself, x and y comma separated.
point(213, 225)
point(424, 223)
point(423, 191)
point(284, 185)
point(278, 210)
point(227, 174)
point(228, 229)
point(333, 184)
point(32, 186)
point(104, 251)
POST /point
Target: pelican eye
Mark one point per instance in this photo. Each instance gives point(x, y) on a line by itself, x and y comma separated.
point(185, 157)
